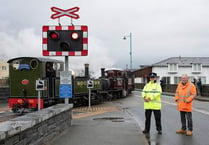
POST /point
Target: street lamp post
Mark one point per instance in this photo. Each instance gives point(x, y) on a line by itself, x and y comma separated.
point(130, 53)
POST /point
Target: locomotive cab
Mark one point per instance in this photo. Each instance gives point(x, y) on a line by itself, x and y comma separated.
point(114, 82)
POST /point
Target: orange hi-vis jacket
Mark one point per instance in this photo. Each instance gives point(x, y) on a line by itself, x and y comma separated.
point(185, 94)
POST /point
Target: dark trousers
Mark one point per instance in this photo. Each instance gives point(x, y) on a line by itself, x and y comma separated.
point(186, 116)
point(157, 114)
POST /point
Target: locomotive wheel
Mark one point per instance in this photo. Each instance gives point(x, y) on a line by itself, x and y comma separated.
point(16, 107)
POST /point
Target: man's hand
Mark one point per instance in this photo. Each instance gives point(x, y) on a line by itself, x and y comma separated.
point(147, 99)
point(187, 101)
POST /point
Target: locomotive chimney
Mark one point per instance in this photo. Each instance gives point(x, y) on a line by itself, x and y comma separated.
point(103, 72)
point(86, 70)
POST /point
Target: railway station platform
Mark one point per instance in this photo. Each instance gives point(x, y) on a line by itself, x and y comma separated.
point(106, 124)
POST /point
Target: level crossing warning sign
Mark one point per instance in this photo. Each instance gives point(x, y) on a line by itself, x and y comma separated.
point(69, 12)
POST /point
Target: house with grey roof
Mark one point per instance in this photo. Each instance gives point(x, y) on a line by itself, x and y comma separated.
point(171, 69)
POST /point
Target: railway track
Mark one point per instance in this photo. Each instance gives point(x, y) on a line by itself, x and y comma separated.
point(78, 112)
point(7, 116)
point(5, 113)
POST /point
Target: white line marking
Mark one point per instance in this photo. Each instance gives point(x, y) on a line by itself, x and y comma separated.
point(194, 109)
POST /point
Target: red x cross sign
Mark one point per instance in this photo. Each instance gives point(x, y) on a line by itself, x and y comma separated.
point(69, 12)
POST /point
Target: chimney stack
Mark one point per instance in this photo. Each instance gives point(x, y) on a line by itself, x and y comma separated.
point(86, 70)
point(102, 72)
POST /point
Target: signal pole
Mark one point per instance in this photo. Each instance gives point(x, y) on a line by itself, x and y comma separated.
point(66, 69)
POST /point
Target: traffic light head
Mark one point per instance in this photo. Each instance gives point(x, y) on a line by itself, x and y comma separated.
point(65, 40)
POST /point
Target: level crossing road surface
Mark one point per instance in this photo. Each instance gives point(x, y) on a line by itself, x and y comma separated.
point(133, 105)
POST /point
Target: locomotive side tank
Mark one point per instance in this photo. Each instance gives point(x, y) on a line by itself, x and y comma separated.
point(81, 90)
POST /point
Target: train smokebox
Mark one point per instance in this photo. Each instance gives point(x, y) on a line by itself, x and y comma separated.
point(103, 72)
point(86, 70)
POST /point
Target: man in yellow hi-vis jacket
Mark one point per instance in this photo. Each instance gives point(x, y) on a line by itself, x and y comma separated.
point(152, 103)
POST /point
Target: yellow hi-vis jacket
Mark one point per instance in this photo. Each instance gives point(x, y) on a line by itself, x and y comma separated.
point(152, 91)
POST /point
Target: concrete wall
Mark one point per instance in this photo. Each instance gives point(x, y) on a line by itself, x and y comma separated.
point(36, 128)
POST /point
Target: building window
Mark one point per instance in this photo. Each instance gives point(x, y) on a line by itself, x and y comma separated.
point(3, 68)
point(173, 68)
point(196, 68)
point(203, 80)
point(166, 80)
point(137, 80)
point(177, 80)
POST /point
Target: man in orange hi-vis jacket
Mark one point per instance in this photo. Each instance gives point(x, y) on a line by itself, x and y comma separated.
point(185, 94)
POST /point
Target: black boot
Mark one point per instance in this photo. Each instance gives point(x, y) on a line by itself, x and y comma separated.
point(145, 131)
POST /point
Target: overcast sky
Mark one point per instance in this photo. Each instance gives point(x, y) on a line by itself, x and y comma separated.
point(160, 29)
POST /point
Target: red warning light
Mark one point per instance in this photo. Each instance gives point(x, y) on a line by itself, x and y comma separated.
point(54, 35)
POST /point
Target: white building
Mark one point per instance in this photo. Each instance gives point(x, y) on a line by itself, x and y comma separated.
point(172, 68)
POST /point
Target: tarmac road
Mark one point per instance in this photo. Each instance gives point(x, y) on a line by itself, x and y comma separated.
point(171, 122)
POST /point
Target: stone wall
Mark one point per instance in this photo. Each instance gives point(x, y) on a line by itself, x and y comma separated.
point(36, 128)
